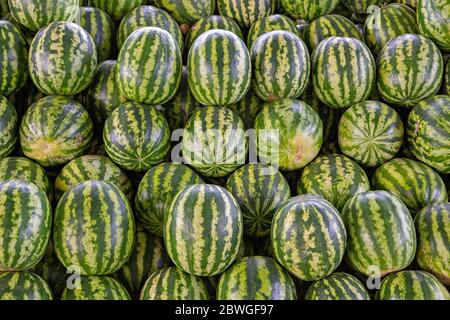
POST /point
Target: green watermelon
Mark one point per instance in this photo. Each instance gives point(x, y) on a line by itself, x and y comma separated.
point(343, 71)
point(308, 237)
point(433, 19)
point(136, 136)
point(337, 286)
point(174, 284)
point(117, 9)
point(27, 34)
point(361, 7)
point(410, 69)
point(381, 234)
point(9, 127)
point(219, 68)
point(256, 278)
point(416, 184)
point(370, 132)
point(93, 228)
point(203, 229)
point(187, 12)
point(55, 130)
point(308, 10)
point(246, 12)
point(281, 65)
point(92, 167)
point(446, 82)
point(248, 108)
point(149, 66)
point(96, 288)
point(433, 244)
point(25, 221)
point(334, 177)
point(429, 132)
point(157, 189)
point(412, 285)
point(260, 190)
point(23, 286)
point(290, 134)
point(214, 141)
point(411, 3)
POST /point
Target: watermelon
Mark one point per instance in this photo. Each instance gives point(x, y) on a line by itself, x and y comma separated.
point(337, 286)
point(446, 82)
point(429, 132)
point(214, 141)
point(25, 222)
point(343, 71)
point(260, 190)
point(174, 284)
point(92, 167)
point(149, 255)
point(27, 34)
point(148, 16)
point(136, 136)
point(187, 12)
point(281, 65)
point(256, 278)
point(157, 189)
point(203, 229)
point(55, 130)
point(9, 127)
point(334, 177)
point(117, 9)
point(13, 59)
point(101, 28)
point(149, 66)
point(415, 60)
point(308, 237)
point(23, 286)
point(433, 20)
point(219, 68)
point(246, 12)
point(433, 244)
point(387, 23)
point(415, 183)
point(290, 134)
point(308, 10)
point(361, 7)
point(96, 288)
point(411, 3)
point(93, 228)
point(412, 285)
point(381, 234)
point(370, 132)
point(329, 26)
point(248, 108)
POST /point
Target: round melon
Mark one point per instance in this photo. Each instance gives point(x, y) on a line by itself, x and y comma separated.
point(246, 12)
point(361, 7)
point(337, 286)
point(96, 288)
point(187, 12)
point(23, 286)
point(9, 127)
point(117, 9)
point(433, 19)
point(308, 10)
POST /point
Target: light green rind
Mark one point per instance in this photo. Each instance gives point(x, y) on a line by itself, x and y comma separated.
point(337, 286)
point(9, 127)
point(246, 12)
point(433, 20)
point(96, 288)
point(117, 9)
point(308, 10)
point(187, 11)
point(23, 286)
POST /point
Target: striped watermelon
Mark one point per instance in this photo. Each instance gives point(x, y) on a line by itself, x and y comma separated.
point(25, 224)
point(256, 278)
point(329, 26)
point(93, 228)
point(117, 9)
point(410, 69)
point(148, 16)
point(308, 237)
point(433, 19)
point(9, 127)
point(203, 229)
point(416, 184)
point(370, 132)
point(157, 189)
point(219, 68)
point(411, 3)
point(433, 244)
point(214, 141)
point(55, 130)
point(174, 284)
point(149, 66)
point(334, 177)
point(92, 167)
point(387, 23)
point(149, 255)
point(412, 285)
point(290, 134)
point(13, 59)
point(248, 108)
point(101, 28)
point(96, 288)
point(187, 11)
point(361, 7)
point(341, 79)
point(23, 286)
point(308, 10)
point(429, 132)
point(136, 136)
point(260, 190)
point(281, 65)
point(381, 234)
point(337, 286)
point(246, 12)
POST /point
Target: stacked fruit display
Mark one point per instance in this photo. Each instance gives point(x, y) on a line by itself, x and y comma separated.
point(245, 149)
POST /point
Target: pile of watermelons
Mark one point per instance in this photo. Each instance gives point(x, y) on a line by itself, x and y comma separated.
point(229, 149)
